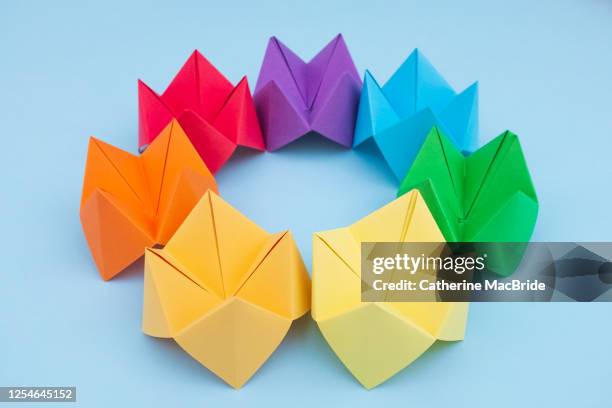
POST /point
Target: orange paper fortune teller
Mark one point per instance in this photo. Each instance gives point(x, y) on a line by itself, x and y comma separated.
point(226, 290)
point(131, 202)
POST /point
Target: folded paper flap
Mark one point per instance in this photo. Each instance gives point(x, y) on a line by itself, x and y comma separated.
point(180, 268)
point(344, 245)
point(237, 119)
point(389, 223)
point(147, 90)
point(133, 214)
point(420, 224)
point(453, 326)
point(180, 155)
point(438, 172)
point(410, 213)
point(443, 206)
point(440, 165)
point(281, 121)
point(511, 219)
point(408, 318)
point(153, 115)
point(505, 174)
point(234, 339)
point(213, 147)
point(432, 90)
point(318, 68)
point(182, 299)
point(455, 170)
point(278, 280)
point(114, 171)
point(400, 143)
point(265, 251)
point(443, 320)
point(328, 68)
point(236, 95)
point(103, 218)
point(282, 67)
point(268, 95)
point(336, 283)
point(344, 88)
point(375, 113)
point(238, 239)
point(198, 86)
point(154, 321)
point(153, 160)
point(195, 244)
point(455, 161)
point(374, 342)
point(480, 167)
point(184, 193)
point(335, 117)
point(417, 84)
point(164, 162)
point(460, 118)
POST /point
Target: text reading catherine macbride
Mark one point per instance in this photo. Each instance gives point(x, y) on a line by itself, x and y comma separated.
point(420, 272)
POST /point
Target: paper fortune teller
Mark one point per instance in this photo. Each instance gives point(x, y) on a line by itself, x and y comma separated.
point(294, 98)
point(215, 115)
point(130, 202)
point(487, 196)
point(399, 115)
point(226, 290)
point(375, 340)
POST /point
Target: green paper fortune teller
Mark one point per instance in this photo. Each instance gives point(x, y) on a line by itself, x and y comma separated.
point(485, 197)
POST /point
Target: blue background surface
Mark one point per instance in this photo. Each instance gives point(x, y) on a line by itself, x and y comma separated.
point(69, 71)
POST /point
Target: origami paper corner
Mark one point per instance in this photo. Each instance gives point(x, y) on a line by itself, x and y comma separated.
point(375, 340)
point(129, 202)
point(460, 119)
point(102, 220)
point(216, 115)
point(294, 98)
point(375, 112)
point(226, 290)
point(238, 119)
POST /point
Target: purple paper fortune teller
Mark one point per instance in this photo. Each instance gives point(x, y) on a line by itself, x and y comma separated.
point(294, 98)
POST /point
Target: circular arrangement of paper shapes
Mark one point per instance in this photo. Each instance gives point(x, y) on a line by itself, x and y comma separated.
point(226, 290)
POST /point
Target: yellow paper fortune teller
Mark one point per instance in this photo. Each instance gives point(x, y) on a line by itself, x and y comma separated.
point(375, 340)
point(226, 290)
